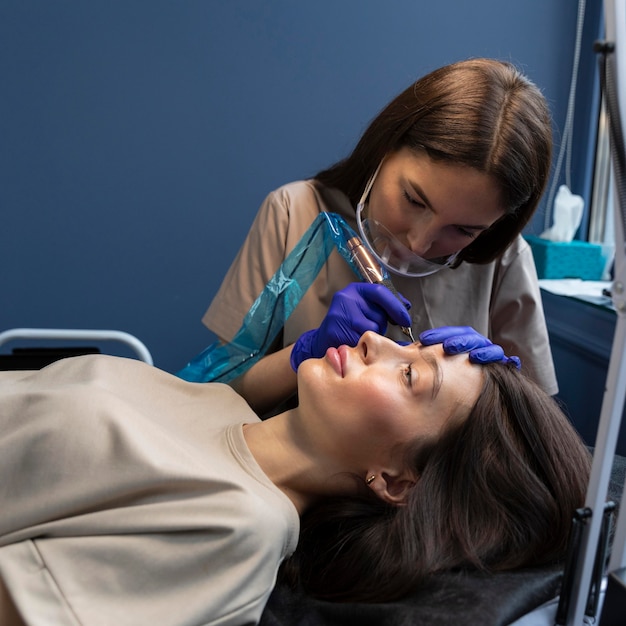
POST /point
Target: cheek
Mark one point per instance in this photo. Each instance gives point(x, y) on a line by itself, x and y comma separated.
point(360, 410)
point(315, 391)
point(387, 418)
point(387, 209)
point(448, 245)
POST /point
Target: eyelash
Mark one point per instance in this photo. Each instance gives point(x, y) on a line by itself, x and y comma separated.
point(466, 233)
point(412, 200)
point(407, 373)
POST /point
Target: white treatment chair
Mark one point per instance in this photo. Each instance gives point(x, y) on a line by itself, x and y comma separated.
point(67, 336)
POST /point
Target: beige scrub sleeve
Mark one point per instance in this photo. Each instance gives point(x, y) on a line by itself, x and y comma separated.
point(281, 222)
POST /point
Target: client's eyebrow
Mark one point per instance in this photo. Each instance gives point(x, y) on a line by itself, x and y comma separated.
point(437, 374)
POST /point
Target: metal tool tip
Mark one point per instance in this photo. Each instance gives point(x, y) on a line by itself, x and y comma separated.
point(409, 333)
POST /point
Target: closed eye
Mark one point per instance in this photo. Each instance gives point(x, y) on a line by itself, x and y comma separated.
point(467, 233)
point(413, 200)
point(408, 374)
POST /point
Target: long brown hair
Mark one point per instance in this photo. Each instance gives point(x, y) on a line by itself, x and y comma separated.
point(482, 113)
point(496, 492)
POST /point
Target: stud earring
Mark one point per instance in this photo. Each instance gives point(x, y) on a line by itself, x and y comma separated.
point(370, 479)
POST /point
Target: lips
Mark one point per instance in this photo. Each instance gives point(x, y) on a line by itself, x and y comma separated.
point(336, 360)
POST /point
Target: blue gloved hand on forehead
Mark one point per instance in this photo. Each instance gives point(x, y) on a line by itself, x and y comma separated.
point(460, 339)
point(357, 308)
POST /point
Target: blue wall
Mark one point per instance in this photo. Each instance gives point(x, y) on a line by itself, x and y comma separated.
point(138, 138)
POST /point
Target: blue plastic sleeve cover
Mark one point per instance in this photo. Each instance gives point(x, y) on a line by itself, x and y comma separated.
point(222, 362)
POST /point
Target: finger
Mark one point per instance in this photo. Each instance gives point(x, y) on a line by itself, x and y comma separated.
point(515, 361)
point(362, 325)
point(488, 354)
point(465, 343)
point(384, 298)
point(362, 316)
point(481, 358)
point(407, 303)
point(439, 335)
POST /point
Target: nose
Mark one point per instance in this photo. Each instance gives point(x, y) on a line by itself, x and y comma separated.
point(368, 345)
point(421, 238)
point(372, 346)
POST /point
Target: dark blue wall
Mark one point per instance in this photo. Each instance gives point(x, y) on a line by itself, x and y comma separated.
point(138, 138)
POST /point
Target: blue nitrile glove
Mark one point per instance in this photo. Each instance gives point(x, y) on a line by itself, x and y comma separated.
point(353, 310)
point(458, 339)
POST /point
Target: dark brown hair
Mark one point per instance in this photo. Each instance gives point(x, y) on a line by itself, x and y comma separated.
point(482, 113)
point(496, 492)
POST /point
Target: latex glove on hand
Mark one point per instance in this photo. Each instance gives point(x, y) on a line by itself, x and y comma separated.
point(357, 308)
point(458, 339)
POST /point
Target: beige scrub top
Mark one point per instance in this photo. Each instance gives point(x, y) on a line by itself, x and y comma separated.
point(130, 498)
point(500, 300)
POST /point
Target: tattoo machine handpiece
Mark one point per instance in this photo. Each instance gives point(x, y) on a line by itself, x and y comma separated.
point(372, 272)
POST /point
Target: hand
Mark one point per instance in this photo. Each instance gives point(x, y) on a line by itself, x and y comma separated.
point(353, 310)
point(458, 339)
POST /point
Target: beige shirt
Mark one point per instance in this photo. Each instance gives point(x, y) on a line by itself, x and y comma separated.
point(129, 497)
point(501, 299)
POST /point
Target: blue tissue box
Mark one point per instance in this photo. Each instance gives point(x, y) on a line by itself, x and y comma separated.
point(574, 259)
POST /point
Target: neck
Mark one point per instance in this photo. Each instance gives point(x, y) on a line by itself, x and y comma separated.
point(291, 464)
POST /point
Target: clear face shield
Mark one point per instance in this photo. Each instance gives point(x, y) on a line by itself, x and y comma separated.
point(388, 249)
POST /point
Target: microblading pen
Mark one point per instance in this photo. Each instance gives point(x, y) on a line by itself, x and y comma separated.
point(371, 271)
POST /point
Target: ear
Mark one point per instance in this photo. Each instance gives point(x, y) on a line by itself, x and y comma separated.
point(391, 487)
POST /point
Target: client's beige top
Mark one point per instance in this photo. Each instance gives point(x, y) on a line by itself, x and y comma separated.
point(129, 497)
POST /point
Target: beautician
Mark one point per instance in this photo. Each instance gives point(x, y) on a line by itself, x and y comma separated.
point(439, 186)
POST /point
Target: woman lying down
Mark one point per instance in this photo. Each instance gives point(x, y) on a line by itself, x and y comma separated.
point(129, 496)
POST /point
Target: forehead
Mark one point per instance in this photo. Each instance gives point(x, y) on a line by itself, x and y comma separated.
point(459, 377)
point(419, 163)
point(444, 179)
